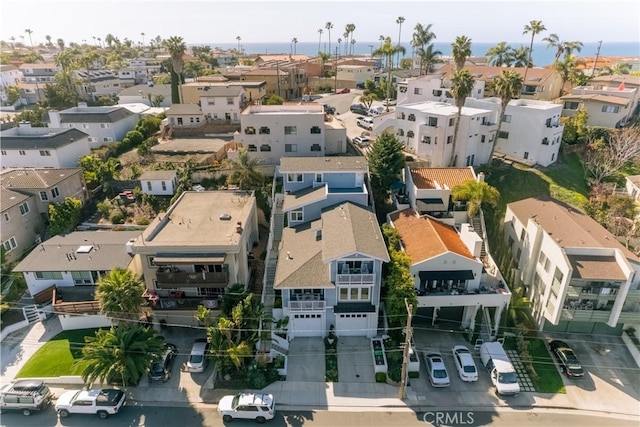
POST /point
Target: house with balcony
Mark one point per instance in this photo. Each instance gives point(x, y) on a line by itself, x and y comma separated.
point(222, 103)
point(29, 147)
point(313, 183)
point(432, 87)
point(254, 91)
point(329, 273)
point(610, 107)
point(93, 84)
point(448, 271)
point(104, 124)
point(35, 78)
point(192, 253)
point(531, 131)
point(272, 132)
point(65, 270)
point(576, 273)
point(427, 130)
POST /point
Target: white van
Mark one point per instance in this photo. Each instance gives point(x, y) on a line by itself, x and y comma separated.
point(503, 376)
point(26, 396)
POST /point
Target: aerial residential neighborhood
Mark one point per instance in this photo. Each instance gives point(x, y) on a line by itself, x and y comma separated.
point(222, 233)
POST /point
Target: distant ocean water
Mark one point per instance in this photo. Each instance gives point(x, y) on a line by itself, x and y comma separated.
point(541, 55)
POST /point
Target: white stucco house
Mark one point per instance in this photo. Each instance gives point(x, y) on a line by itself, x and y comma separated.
point(159, 183)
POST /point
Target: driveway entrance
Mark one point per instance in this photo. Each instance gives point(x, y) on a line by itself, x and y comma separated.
point(306, 360)
point(355, 361)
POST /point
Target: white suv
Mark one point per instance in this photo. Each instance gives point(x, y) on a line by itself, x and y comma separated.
point(365, 122)
point(247, 406)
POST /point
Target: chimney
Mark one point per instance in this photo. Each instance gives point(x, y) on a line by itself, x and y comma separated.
point(239, 227)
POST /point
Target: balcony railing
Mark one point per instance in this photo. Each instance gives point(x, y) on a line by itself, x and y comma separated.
point(193, 278)
point(586, 315)
point(355, 279)
point(306, 305)
point(184, 303)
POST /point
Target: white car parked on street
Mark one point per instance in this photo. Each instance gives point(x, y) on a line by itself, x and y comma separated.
point(247, 406)
point(465, 364)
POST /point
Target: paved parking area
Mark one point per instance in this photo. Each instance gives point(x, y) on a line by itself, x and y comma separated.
point(306, 360)
point(355, 362)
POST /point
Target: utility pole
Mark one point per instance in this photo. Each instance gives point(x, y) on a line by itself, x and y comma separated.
point(595, 63)
point(335, 80)
point(405, 353)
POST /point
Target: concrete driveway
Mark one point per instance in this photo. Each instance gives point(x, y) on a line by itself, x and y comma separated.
point(306, 360)
point(355, 362)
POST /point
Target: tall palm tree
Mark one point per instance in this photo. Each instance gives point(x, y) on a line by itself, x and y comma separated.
point(339, 44)
point(295, 43)
point(500, 55)
point(177, 47)
point(119, 294)
point(346, 42)
point(238, 40)
point(475, 194)
point(506, 86)
point(388, 51)
point(142, 34)
point(461, 87)
point(48, 39)
point(28, 31)
point(320, 31)
point(381, 39)
point(350, 28)
point(243, 172)
point(535, 28)
point(461, 50)
point(569, 47)
point(119, 355)
point(329, 26)
point(399, 21)
point(554, 41)
point(521, 58)
point(566, 67)
point(428, 58)
point(423, 36)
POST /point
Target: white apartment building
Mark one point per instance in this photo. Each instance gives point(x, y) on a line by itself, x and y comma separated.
point(9, 76)
point(578, 276)
point(427, 130)
point(531, 131)
point(270, 132)
point(432, 87)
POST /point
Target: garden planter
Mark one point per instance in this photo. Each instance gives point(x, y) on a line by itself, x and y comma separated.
point(379, 357)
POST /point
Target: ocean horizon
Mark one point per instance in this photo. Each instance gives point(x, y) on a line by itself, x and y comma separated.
point(541, 55)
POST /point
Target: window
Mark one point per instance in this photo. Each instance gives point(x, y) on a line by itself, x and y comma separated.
point(109, 139)
point(410, 134)
point(412, 117)
point(48, 275)
point(523, 234)
point(449, 139)
point(24, 208)
point(547, 123)
point(85, 126)
point(417, 91)
point(55, 192)
point(45, 153)
point(503, 135)
point(229, 101)
point(4, 152)
point(558, 275)
point(252, 147)
point(610, 109)
point(571, 105)
point(290, 130)
point(354, 294)
point(82, 277)
point(10, 244)
point(400, 132)
point(22, 152)
point(316, 147)
point(318, 177)
point(316, 129)
point(265, 147)
point(426, 140)
point(296, 215)
point(164, 185)
point(482, 138)
point(506, 118)
point(437, 92)
point(432, 121)
point(151, 262)
point(250, 130)
point(149, 187)
point(403, 89)
point(294, 177)
point(290, 148)
point(43, 196)
point(526, 155)
point(211, 101)
point(452, 121)
point(265, 130)
point(6, 216)
point(542, 258)
point(401, 116)
point(104, 125)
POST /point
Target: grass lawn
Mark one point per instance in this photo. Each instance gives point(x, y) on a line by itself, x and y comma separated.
point(56, 357)
point(549, 379)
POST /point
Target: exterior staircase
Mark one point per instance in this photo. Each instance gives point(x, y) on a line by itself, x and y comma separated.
point(31, 313)
point(279, 349)
point(476, 223)
point(278, 226)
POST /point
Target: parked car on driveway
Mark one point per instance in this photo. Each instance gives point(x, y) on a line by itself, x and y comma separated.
point(389, 102)
point(160, 370)
point(248, 406)
point(198, 359)
point(362, 140)
point(465, 364)
point(438, 375)
point(376, 111)
point(365, 122)
point(567, 358)
point(359, 109)
point(329, 109)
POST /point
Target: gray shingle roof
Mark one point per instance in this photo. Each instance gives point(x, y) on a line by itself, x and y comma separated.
point(35, 178)
point(323, 164)
point(39, 138)
point(110, 114)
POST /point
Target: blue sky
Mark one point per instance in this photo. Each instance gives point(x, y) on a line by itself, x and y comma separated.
point(215, 21)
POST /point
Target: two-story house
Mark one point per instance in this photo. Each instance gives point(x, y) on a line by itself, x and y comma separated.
point(531, 131)
point(10, 76)
point(35, 79)
point(222, 103)
point(449, 276)
point(609, 107)
point(103, 124)
point(427, 130)
point(329, 273)
point(194, 251)
point(26, 195)
point(576, 273)
point(67, 268)
point(29, 147)
point(93, 84)
point(156, 95)
point(271, 132)
point(432, 87)
point(185, 116)
point(254, 91)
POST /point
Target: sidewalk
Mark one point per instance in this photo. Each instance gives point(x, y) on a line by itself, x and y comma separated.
point(18, 347)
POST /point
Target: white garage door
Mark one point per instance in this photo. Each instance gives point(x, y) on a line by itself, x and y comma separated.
point(308, 325)
point(352, 325)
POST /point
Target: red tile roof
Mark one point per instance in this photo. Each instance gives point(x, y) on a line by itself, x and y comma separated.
point(427, 178)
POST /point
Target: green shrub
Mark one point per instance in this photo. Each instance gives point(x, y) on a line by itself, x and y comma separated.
point(116, 217)
point(143, 221)
point(104, 209)
point(414, 374)
point(381, 377)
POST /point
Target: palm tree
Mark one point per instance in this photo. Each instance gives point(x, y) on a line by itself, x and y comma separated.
point(381, 38)
point(350, 28)
point(177, 47)
point(535, 28)
point(142, 34)
point(28, 31)
point(521, 58)
point(428, 58)
point(295, 42)
point(505, 86)
point(388, 51)
point(399, 21)
point(119, 355)
point(476, 194)
point(339, 43)
point(569, 47)
point(423, 36)
point(566, 68)
point(320, 31)
point(238, 39)
point(243, 173)
point(329, 26)
point(119, 294)
point(620, 68)
point(346, 42)
point(461, 50)
point(500, 55)
point(461, 87)
point(48, 39)
point(554, 41)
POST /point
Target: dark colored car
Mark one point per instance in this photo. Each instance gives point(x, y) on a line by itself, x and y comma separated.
point(359, 109)
point(568, 361)
point(160, 370)
point(329, 109)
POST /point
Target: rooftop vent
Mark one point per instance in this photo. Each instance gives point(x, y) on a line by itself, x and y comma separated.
point(225, 217)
